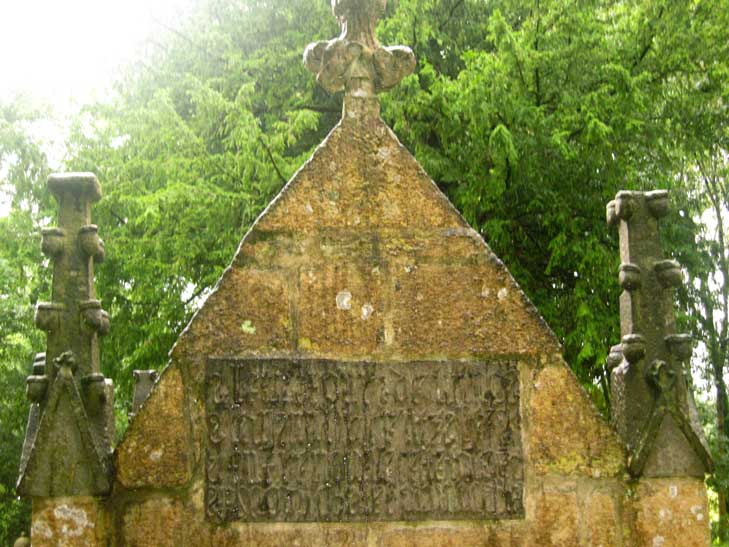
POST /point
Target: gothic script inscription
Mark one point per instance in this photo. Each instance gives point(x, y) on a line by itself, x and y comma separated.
point(306, 440)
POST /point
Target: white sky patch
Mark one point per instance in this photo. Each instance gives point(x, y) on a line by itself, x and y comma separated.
point(66, 53)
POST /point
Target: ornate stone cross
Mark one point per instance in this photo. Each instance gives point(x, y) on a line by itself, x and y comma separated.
point(355, 62)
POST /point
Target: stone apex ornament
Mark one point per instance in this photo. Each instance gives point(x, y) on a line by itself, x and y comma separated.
point(82, 184)
point(355, 62)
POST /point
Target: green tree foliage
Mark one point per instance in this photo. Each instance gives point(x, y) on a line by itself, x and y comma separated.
point(23, 169)
point(529, 115)
point(198, 139)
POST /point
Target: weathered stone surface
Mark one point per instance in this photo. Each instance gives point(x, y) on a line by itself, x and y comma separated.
point(672, 512)
point(248, 312)
point(462, 310)
point(456, 535)
point(361, 179)
point(566, 434)
point(671, 453)
point(341, 309)
point(308, 535)
point(601, 520)
point(70, 522)
point(158, 522)
point(156, 450)
point(555, 521)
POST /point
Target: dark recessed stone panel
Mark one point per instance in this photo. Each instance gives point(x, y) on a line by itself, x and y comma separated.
point(318, 441)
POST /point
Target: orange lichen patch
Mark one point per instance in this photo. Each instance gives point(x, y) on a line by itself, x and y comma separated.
point(672, 512)
point(567, 436)
point(156, 450)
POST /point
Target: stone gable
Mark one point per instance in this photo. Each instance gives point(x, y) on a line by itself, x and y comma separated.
point(367, 373)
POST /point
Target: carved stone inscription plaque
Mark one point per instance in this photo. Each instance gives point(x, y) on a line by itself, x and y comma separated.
point(305, 440)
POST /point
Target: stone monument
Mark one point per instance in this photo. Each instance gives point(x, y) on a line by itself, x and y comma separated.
point(368, 373)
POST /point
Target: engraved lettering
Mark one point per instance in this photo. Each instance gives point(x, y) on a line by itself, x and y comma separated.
point(307, 440)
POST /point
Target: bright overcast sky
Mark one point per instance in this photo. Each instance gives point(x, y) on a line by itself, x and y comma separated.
point(65, 52)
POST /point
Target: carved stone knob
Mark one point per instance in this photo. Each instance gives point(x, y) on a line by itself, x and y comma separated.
point(48, 316)
point(657, 202)
point(615, 357)
point(67, 360)
point(629, 277)
point(611, 214)
point(624, 205)
point(52, 240)
point(668, 273)
point(91, 243)
point(680, 345)
point(94, 316)
point(633, 347)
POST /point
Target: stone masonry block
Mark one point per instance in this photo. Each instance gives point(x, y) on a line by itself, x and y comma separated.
point(456, 535)
point(248, 312)
point(555, 521)
point(357, 180)
point(71, 522)
point(602, 522)
point(340, 310)
point(567, 434)
point(440, 310)
point(308, 535)
point(672, 512)
point(155, 522)
point(156, 450)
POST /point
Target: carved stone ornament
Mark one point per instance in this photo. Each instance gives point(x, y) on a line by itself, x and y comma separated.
point(71, 422)
point(651, 401)
point(355, 62)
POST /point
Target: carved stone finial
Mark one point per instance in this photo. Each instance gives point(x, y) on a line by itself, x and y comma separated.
point(355, 62)
point(651, 403)
point(71, 418)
